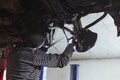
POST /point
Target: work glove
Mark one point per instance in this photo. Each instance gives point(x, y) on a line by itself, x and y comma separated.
point(71, 41)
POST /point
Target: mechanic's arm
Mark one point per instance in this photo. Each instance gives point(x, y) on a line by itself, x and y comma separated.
point(53, 60)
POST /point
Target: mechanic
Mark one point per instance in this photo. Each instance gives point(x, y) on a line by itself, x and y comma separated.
point(27, 55)
point(25, 60)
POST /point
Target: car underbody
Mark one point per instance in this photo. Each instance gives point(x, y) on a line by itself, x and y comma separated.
point(16, 14)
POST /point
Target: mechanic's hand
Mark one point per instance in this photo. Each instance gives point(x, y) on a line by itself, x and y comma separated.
point(71, 41)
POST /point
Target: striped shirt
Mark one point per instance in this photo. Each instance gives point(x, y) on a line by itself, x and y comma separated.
point(24, 63)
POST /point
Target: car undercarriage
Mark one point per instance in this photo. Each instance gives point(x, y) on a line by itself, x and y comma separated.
point(16, 14)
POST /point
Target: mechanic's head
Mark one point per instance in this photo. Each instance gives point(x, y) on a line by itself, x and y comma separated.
point(36, 33)
point(37, 38)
